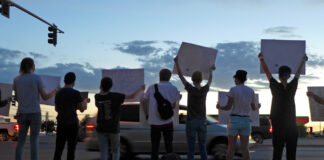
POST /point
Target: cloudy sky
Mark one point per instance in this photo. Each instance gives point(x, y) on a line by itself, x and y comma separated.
point(147, 34)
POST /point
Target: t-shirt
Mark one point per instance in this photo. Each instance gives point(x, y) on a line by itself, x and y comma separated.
point(109, 112)
point(66, 105)
point(242, 96)
point(27, 88)
point(196, 101)
point(283, 102)
point(169, 92)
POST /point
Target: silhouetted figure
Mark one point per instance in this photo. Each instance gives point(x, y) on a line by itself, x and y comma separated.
point(241, 99)
point(67, 102)
point(158, 125)
point(196, 118)
point(27, 87)
point(283, 110)
point(108, 130)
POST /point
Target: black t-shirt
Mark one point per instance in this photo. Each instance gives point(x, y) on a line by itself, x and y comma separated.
point(196, 101)
point(109, 111)
point(66, 104)
point(283, 108)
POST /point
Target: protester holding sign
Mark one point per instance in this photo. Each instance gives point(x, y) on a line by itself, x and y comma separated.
point(158, 124)
point(242, 99)
point(27, 87)
point(283, 110)
point(109, 104)
point(67, 102)
point(196, 117)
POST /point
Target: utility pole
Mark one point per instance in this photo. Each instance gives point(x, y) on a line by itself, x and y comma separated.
point(5, 11)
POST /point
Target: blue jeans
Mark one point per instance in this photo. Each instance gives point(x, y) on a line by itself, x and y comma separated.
point(104, 140)
point(32, 120)
point(193, 127)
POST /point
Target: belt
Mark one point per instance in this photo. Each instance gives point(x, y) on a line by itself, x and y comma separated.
point(239, 115)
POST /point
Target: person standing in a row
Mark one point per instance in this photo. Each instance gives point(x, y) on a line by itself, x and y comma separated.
point(241, 99)
point(196, 119)
point(283, 110)
point(158, 125)
point(108, 126)
point(67, 102)
point(28, 87)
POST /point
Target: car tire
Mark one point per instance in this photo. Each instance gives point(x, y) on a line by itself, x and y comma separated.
point(3, 136)
point(125, 150)
point(219, 151)
point(258, 138)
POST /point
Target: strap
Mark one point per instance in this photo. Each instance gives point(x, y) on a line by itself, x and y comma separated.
point(156, 87)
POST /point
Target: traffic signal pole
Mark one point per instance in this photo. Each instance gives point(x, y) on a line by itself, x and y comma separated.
point(10, 3)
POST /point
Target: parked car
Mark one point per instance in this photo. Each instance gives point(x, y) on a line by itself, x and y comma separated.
point(8, 130)
point(135, 135)
point(264, 131)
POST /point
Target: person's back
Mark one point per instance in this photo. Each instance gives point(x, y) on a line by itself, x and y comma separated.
point(109, 111)
point(196, 101)
point(27, 87)
point(243, 97)
point(169, 92)
point(66, 105)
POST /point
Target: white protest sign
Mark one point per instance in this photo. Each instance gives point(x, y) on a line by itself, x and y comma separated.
point(49, 83)
point(224, 116)
point(126, 81)
point(277, 53)
point(6, 92)
point(193, 58)
point(316, 109)
point(254, 114)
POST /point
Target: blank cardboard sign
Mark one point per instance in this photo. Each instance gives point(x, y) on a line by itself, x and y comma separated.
point(125, 81)
point(316, 109)
point(277, 53)
point(193, 58)
point(50, 83)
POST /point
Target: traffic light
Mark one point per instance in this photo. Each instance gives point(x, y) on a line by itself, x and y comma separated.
point(52, 37)
point(5, 8)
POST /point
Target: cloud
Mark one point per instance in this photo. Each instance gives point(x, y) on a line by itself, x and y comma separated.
point(283, 31)
point(137, 47)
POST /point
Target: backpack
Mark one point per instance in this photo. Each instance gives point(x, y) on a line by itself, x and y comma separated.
point(164, 106)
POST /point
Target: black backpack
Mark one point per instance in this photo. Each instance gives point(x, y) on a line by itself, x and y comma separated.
point(164, 106)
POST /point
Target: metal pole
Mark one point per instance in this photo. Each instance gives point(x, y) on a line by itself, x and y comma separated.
point(32, 14)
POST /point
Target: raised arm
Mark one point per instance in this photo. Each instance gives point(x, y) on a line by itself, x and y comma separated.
point(136, 93)
point(228, 105)
point(212, 68)
point(301, 65)
point(315, 97)
point(183, 80)
point(264, 66)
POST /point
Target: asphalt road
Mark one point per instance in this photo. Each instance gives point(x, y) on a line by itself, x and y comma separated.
point(308, 149)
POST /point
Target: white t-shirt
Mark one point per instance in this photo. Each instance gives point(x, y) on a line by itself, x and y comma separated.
point(169, 92)
point(242, 96)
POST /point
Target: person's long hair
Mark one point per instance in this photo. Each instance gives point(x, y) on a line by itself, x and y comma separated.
point(26, 65)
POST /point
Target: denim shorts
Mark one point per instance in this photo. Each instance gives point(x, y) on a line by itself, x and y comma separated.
point(239, 126)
